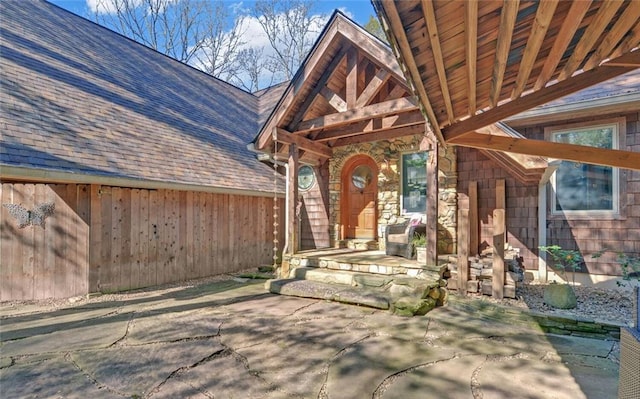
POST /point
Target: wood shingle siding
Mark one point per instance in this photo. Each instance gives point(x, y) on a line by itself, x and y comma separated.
point(139, 238)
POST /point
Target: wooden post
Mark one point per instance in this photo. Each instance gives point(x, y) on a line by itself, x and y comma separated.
point(432, 203)
point(292, 206)
point(501, 200)
point(498, 254)
point(474, 239)
point(463, 250)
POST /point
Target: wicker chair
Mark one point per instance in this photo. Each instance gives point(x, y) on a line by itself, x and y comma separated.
point(629, 386)
point(399, 238)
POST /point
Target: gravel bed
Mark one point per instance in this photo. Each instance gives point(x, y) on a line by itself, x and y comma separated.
point(608, 305)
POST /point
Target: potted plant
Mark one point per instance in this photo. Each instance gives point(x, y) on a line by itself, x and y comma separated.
point(419, 242)
point(562, 296)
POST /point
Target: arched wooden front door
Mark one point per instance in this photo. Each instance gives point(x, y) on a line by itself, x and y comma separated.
point(358, 201)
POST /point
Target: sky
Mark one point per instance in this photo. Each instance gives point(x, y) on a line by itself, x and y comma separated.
point(358, 10)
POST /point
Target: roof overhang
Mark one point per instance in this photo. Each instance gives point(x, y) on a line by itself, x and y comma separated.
point(474, 63)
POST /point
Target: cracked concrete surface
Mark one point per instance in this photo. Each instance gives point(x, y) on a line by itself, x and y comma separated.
point(233, 340)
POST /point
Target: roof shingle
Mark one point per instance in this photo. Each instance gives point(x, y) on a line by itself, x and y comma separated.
point(76, 97)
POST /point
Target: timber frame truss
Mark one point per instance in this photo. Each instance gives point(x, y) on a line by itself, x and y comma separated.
point(350, 90)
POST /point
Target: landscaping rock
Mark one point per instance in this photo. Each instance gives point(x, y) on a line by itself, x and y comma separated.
point(411, 306)
point(560, 296)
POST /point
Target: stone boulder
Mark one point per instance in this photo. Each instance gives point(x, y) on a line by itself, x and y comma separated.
point(560, 296)
point(412, 306)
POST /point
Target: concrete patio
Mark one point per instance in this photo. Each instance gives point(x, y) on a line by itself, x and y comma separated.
point(231, 339)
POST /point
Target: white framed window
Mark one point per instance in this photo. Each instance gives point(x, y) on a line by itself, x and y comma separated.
point(413, 195)
point(586, 189)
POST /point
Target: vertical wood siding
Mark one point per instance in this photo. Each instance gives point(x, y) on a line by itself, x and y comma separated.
point(314, 212)
point(156, 237)
point(53, 262)
point(113, 239)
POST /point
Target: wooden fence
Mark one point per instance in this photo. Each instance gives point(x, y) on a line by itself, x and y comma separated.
point(111, 239)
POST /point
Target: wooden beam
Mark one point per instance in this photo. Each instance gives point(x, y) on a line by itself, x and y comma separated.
point(373, 88)
point(471, 47)
point(372, 126)
point(546, 9)
point(304, 143)
point(626, 21)
point(431, 211)
point(473, 215)
point(333, 99)
point(463, 250)
point(605, 13)
point(570, 152)
point(630, 42)
point(563, 38)
point(438, 59)
point(497, 280)
point(382, 135)
point(292, 205)
point(507, 22)
point(542, 96)
point(395, 106)
point(352, 78)
point(404, 48)
point(322, 81)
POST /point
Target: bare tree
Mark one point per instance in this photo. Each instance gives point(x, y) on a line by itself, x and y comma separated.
point(291, 27)
point(196, 32)
point(254, 73)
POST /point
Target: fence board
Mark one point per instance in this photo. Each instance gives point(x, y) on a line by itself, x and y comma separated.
point(155, 209)
point(95, 234)
point(109, 238)
point(144, 240)
point(7, 244)
point(41, 280)
point(134, 247)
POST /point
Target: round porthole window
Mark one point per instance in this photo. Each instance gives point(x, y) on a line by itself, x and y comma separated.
point(362, 176)
point(306, 177)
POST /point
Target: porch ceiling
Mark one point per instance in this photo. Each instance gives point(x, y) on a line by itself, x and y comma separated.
point(474, 63)
point(349, 90)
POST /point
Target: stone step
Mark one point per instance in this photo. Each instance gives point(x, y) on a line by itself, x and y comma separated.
point(332, 292)
point(354, 278)
point(367, 245)
point(404, 295)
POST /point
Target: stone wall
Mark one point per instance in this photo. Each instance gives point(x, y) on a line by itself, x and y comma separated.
point(387, 155)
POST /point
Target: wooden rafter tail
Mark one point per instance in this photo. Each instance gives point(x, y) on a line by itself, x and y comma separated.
point(390, 16)
point(471, 35)
point(507, 23)
point(545, 12)
point(602, 19)
point(434, 38)
point(563, 39)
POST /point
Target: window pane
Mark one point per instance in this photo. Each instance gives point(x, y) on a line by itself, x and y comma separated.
point(306, 177)
point(584, 187)
point(414, 182)
point(362, 176)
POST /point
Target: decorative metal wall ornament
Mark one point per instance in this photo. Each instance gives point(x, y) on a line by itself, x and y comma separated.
point(35, 217)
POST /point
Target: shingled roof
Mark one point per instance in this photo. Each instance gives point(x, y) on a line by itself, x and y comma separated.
point(86, 104)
